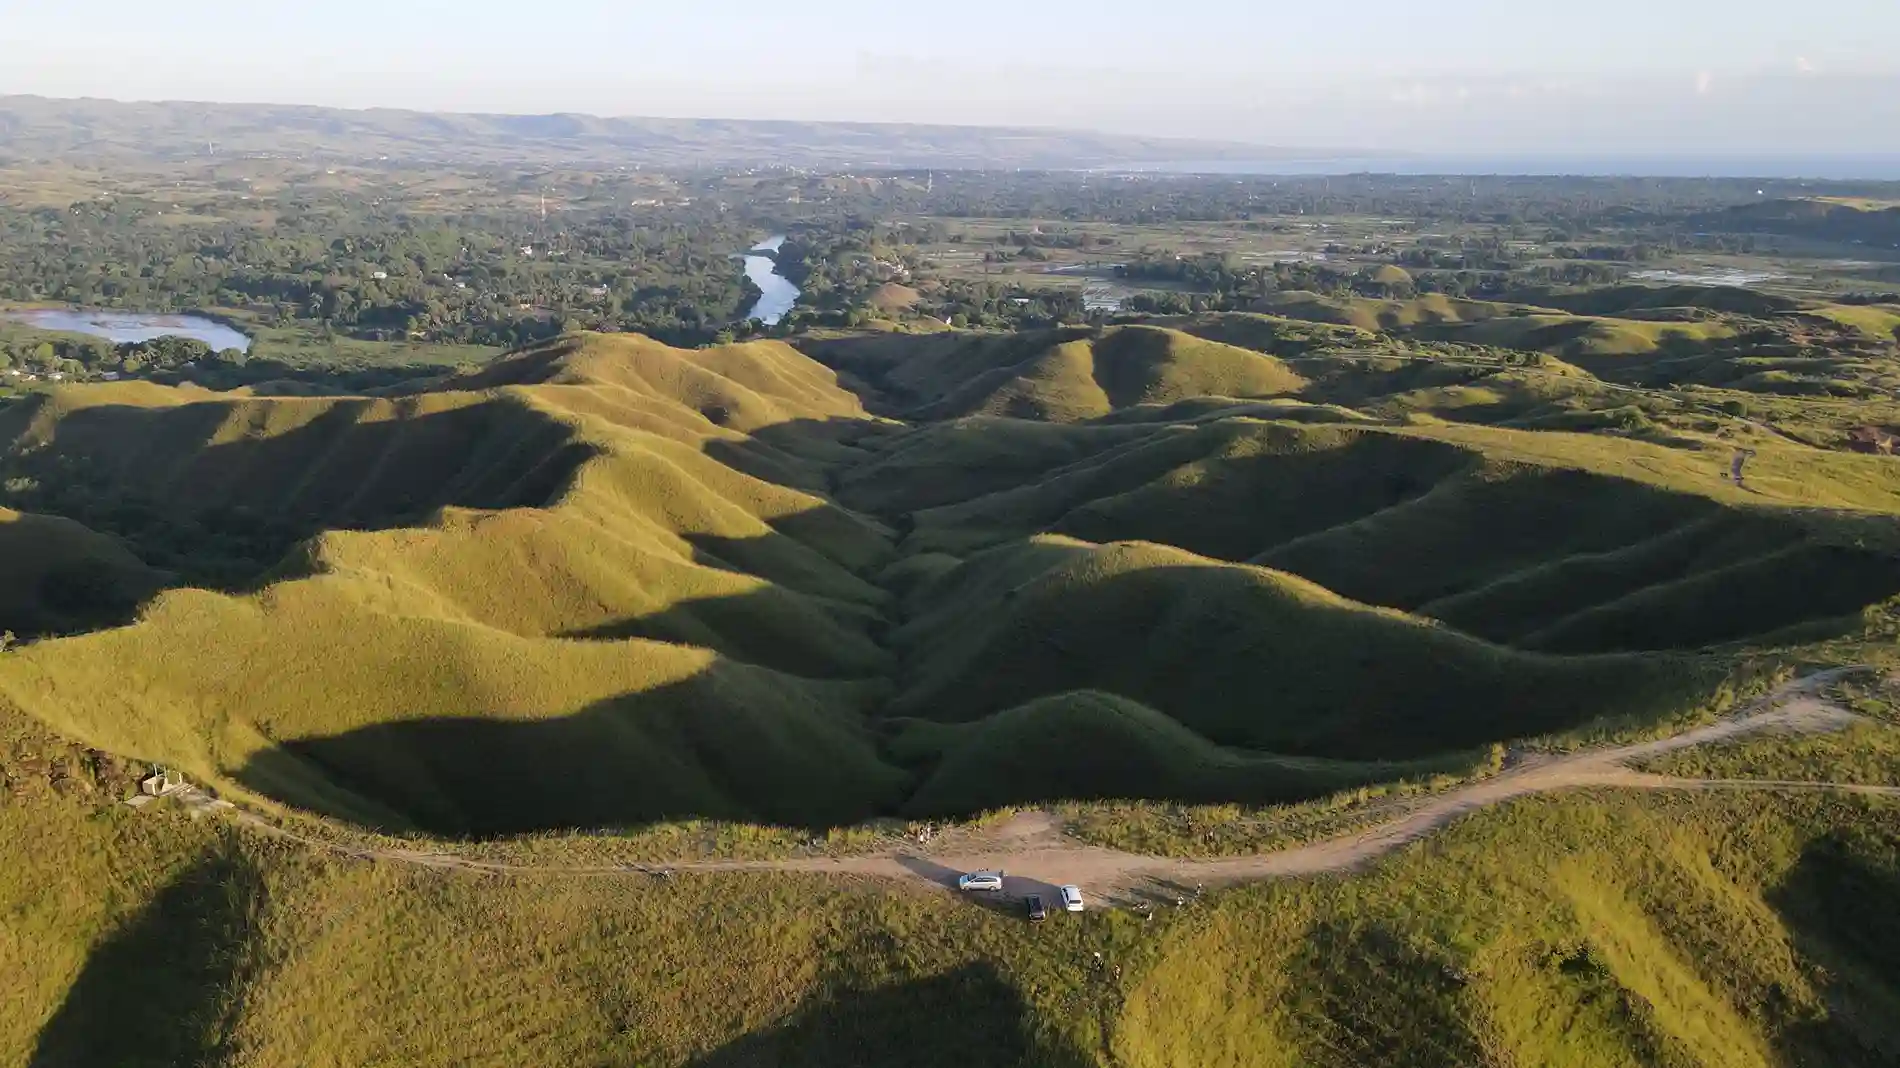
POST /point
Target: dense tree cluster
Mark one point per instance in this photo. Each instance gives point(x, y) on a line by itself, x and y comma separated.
point(368, 269)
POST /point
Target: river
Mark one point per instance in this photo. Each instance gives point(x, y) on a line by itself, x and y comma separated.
point(777, 294)
point(125, 327)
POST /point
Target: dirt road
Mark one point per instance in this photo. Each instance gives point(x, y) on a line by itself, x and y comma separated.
point(1039, 858)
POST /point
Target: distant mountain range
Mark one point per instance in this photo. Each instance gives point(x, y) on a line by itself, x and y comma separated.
point(39, 127)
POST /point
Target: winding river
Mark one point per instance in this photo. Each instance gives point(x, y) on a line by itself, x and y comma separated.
point(777, 295)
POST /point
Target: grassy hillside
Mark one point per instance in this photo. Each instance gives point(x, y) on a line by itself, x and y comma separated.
point(1589, 543)
point(222, 488)
point(335, 695)
point(1588, 931)
point(1212, 646)
point(550, 575)
point(1513, 326)
point(1585, 930)
point(57, 575)
point(1060, 376)
point(603, 582)
point(1085, 745)
point(1827, 218)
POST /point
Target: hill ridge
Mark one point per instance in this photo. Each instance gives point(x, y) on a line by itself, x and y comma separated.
point(911, 598)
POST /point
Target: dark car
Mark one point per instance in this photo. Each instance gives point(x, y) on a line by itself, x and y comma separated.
point(1037, 913)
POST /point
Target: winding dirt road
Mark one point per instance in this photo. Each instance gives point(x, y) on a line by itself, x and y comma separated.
point(1038, 857)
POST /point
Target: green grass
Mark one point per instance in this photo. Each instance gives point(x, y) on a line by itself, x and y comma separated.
point(543, 575)
point(304, 348)
point(1206, 644)
point(1586, 930)
point(607, 601)
point(1867, 752)
point(1062, 376)
point(56, 575)
point(1591, 543)
point(1084, 745)
point(1583, 931)
point(1874, 320)
point(1514, 326)
point(703, 589)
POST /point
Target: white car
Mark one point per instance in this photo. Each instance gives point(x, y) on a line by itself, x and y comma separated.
point(1072, 898)
point(990, 881)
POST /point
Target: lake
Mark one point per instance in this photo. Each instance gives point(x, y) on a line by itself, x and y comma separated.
point(123, 327)
point(777, 294)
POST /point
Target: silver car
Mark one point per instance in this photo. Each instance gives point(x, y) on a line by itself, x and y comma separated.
point(983, 881)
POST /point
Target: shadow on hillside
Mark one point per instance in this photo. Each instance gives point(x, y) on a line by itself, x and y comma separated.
point(1842, 910)
point(1251, 504)
point(775, 627)
point(1255, 661)
point(1368, 995)
point(161, 990)
point(224, 513)
point(733, 743)
point(969, 1016)
point(830, 445)
point(963, 357)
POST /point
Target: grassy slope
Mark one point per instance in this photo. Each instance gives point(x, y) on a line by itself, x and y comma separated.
point(1591, 543)
point(414, 665)
point(330, 693)
point(1209, 644)
point(1069, 376)
point(57, 575)
point(1085, 745)
point(669, 583)
point(1867, 752)
point(1586, 931)
point(1874, 320)
point(1525, 327)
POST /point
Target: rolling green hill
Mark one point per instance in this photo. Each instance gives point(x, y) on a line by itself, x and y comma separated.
point(1524, 327)
point(1208, 644)
point(716, 567)
point(1061, 376)
point(547, 565)
point(603, 583)
point(1085, 744)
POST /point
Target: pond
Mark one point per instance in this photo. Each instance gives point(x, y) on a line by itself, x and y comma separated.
point(126, 327)
point(777, 293)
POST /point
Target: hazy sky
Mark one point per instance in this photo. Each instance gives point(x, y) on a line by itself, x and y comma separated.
point(1619, 76)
